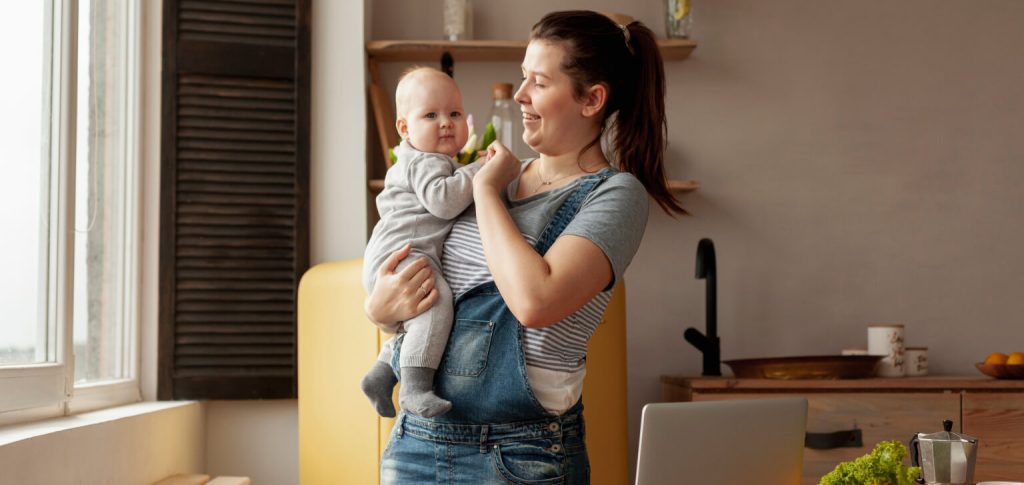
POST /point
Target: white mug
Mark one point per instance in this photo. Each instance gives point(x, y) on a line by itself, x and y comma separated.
point(916, 361)
point(887, 340)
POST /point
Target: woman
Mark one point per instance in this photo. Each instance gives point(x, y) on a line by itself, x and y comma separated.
point(533, 266)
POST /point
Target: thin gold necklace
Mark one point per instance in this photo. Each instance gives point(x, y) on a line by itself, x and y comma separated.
point(543, 183)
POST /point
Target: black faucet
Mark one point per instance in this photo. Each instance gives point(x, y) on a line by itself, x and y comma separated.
point(708, 344)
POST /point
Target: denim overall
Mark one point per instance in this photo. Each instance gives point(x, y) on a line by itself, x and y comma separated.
point(497, 432)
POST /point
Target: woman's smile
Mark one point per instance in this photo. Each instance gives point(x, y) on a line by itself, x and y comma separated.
point(530, 121)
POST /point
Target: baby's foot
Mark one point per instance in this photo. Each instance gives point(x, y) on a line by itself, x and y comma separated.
point(378, 385)
point(425, 403)
point(417, 393)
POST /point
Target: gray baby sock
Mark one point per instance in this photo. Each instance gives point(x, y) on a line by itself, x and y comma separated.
point(378, 385)
point(417, 393)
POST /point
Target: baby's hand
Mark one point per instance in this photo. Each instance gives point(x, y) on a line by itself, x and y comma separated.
point(497, 150)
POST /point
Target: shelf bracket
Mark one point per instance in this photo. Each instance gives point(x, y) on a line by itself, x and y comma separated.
point(448, 64)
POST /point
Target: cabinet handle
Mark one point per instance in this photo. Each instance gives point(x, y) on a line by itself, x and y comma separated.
point(836, 439)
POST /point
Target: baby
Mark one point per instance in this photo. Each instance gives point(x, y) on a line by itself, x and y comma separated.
point(423, 194)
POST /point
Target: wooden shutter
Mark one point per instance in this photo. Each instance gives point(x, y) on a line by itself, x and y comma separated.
point(234, 196)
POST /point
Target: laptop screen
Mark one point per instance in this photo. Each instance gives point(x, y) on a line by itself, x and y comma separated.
point(756, 441)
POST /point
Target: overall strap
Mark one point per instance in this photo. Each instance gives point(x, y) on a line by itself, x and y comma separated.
point(569, 209)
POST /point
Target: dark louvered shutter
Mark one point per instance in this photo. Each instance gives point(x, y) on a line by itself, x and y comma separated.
point(234, 196)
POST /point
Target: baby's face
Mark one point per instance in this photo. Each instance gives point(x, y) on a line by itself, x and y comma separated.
point(434, 119)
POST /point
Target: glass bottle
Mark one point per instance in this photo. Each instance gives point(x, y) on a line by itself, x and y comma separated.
point(678, 18)
point(458, 19)
point(507, 120)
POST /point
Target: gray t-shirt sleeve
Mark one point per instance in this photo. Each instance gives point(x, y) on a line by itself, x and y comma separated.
point(614, 217)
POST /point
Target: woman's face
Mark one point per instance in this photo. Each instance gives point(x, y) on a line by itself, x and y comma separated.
point(553, 121)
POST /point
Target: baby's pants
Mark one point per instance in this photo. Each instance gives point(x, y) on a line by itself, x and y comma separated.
point(426, 334)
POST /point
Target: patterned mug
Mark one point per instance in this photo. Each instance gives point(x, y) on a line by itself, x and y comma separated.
point(887, 340)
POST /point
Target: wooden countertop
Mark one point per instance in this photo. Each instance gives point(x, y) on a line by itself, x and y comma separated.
point(876, 384)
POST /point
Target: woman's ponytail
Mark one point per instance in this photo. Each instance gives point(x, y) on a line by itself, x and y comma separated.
point(626, 59)
point(640, 129)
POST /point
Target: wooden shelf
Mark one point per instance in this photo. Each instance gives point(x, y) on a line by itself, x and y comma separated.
point(677, 186)
point(683, 186)
point(486, 50)
point(873, 384)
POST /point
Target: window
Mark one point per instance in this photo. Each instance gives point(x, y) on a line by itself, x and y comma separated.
point(68, 206)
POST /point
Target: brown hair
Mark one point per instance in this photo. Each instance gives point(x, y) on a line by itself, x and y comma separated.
point(627, 61)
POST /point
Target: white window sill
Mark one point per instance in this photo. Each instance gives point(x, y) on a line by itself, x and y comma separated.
point(18, 432)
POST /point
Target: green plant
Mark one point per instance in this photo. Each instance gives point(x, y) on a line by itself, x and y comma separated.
point(883, 466)
point(471, 151)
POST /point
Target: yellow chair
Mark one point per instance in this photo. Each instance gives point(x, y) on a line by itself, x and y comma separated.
point(341, 438)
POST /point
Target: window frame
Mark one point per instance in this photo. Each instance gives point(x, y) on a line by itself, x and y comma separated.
point(38, 391)
point(95, 395)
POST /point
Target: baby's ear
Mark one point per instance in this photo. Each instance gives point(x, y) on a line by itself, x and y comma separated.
point(402, 127)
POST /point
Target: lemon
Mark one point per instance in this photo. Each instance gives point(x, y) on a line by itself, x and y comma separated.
point(996, 358)
point(1015, 358)
point(682, 8)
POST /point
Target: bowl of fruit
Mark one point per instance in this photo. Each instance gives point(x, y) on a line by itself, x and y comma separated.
point(1003, 366)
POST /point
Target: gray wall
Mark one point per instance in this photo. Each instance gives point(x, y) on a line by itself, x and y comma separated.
point(859, 164)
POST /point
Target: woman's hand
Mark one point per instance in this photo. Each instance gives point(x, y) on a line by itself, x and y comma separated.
point(397, 297)
point(500, 168)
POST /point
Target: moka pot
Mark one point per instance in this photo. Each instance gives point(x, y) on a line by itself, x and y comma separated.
point(944, 457)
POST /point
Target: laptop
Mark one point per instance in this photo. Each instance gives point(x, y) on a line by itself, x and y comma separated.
point(740, 442)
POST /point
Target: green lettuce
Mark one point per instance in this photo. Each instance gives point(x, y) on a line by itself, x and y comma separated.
point(883, 466)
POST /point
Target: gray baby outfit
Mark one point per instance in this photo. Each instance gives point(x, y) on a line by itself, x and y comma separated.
point(423, 194)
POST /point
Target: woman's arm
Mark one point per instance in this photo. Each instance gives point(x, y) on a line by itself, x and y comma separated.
point(397, 297)
point(539, 290)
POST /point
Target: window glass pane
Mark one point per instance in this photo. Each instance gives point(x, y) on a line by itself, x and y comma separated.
point(24, 193)
point(100, 191)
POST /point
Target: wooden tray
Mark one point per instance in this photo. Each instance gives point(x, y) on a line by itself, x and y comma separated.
point(806, 367)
